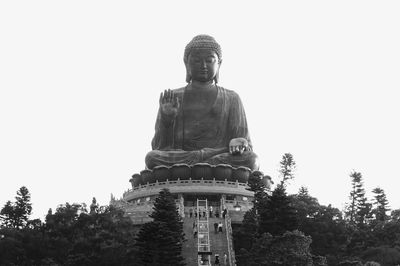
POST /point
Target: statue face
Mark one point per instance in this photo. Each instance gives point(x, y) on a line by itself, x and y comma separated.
point(203, 65)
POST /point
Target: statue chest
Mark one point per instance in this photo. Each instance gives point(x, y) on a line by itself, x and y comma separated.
point(199, 106)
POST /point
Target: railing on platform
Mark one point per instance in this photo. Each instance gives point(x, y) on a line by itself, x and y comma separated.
point(189, 182)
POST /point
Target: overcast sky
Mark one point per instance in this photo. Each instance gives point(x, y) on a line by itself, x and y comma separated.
point(80, 81)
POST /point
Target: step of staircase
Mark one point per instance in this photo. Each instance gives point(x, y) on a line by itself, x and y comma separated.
point(219, 242)
point(189, 248)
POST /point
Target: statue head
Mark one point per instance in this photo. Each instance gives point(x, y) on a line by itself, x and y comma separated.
point(202, 49)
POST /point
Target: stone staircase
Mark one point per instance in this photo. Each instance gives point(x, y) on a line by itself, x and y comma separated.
point(189, 248)
point(218, 242)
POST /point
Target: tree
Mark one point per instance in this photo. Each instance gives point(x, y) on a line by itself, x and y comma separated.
point(23, 206)
point(323, 223)
point(395, 215)
point(259, 188)
point(245, 235)
point(71, 237)
point(287, 167)
point(380, 205)
point(17, 214)
point(159, 242)
point(7, 214)
point(277, 215)
point(288, 249)
point(359, 210)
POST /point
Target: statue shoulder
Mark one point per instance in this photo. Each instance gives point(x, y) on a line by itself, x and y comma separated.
point(231, 94)
point(179, 91)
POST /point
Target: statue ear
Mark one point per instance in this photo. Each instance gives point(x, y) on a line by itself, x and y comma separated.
point(216, 78)
point(188, 77)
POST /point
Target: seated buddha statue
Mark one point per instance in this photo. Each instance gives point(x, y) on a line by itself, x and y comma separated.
point(201, 122)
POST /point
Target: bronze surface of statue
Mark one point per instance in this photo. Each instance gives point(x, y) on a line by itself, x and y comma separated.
point(201, 122)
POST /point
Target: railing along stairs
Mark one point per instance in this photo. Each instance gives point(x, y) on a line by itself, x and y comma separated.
point(229, 235)
point(203, 234)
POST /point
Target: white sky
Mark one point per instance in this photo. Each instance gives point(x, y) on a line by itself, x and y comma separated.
point(80, 80)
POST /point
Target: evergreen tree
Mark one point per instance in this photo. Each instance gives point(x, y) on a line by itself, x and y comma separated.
point(259, 188)
point(23, 207)
point(247, 233)
point(307, 207)
point(17, 214)
point(278, 215)
point(358, 211)
point(380, 205)
point(287, 167)
point(160, 242)
point(7, 214)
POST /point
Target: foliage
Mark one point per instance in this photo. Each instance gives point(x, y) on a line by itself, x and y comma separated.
point(324, 224)
point(265, 238)
point(385, 255)
point(71, 236)
point(290, 248)
point(287, 167)
point(278, 214)
point(159, 242)
point(16, 214)
point(380, 205)
point(359, 210)
point(366, 236)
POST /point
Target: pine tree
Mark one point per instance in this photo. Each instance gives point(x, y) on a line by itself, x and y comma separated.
point(23, 207)
point(380, 205)
point(287, 167)
point(259, 188)
point(7, 214)
point(278, 214)
point(359, 210)
point(17, 214)
point(160, 242)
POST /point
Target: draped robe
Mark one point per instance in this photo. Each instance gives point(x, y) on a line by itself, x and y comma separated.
point(204, 137)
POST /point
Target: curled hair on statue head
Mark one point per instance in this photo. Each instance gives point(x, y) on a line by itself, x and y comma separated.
point(202, 41)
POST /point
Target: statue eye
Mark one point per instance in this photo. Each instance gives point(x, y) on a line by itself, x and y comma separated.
point(210, 59)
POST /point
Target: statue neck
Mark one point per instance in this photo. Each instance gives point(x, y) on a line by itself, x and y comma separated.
point(203, 86)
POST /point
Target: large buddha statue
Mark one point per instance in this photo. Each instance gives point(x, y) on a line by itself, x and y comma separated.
point(201, 122)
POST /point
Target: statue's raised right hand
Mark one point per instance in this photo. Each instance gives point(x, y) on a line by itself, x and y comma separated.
point(169, 103)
